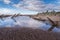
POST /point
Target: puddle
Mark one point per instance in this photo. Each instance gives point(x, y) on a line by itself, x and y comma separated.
point(24, 21)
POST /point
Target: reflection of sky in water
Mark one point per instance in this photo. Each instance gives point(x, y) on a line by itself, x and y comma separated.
point(26, 22)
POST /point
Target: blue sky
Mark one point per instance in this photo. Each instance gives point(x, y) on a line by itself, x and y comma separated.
point(28, 6)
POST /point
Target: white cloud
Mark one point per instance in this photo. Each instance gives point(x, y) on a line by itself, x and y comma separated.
point(7, 1)
point(31, 5)
point(35, 5)
point(8, 11)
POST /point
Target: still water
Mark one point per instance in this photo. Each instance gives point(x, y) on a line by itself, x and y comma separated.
point(25, 21)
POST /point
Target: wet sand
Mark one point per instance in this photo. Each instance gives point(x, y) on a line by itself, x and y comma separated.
point(27, 34)
point(55, 18)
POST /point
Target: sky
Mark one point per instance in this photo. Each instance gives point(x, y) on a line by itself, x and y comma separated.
point(28, 6)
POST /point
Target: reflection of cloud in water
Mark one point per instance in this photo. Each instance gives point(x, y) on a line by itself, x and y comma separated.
point(7, 22)
point(29, 22)
point(25, 21)
point(56, 29)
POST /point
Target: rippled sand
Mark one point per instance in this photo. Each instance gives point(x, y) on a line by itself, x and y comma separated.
point(27, 34)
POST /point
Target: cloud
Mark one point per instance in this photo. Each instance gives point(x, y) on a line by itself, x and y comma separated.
point(36, 5)
point(31, 5)
point(8, 11)
point(7, 1)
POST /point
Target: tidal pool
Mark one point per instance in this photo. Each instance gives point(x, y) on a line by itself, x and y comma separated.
point(25, 21)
